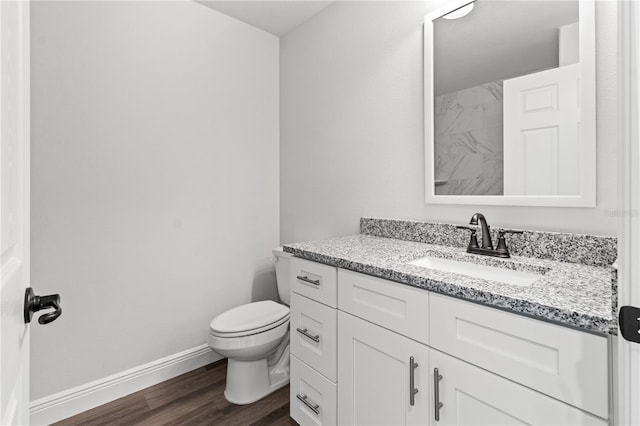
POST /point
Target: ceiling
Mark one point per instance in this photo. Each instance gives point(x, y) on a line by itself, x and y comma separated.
point(275, 17)
point(498, 40)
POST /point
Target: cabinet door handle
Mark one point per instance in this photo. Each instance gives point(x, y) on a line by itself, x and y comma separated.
point(436, 393)
point(412, 388)
point(305, 333)
point(306, 279)
point(313, 407)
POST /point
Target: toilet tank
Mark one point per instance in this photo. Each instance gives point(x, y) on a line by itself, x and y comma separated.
point(283, 272)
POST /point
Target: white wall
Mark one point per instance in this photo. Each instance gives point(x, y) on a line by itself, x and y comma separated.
point(352, 133)
point(155, 180)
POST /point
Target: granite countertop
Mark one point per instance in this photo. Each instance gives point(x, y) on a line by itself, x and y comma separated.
point(570, 294)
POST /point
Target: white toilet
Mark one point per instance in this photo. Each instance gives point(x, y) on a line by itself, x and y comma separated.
point(255, 339)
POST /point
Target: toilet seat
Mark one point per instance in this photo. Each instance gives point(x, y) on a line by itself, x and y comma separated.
point(249, 319)
point(239, 347)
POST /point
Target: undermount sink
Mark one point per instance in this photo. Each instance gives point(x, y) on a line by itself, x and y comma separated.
point(491, 273)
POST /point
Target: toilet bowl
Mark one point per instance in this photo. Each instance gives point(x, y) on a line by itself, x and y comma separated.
point(255, 339)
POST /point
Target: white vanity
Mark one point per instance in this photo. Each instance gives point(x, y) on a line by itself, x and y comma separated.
point(367, 350)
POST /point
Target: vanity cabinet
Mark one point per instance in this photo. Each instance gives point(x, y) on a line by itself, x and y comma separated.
point(380, 344)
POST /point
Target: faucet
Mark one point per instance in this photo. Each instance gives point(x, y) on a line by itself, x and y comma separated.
point(486, 235)
point(486, 248)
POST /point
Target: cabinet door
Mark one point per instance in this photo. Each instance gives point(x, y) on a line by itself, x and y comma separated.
point(472, 396)
point(375, 375)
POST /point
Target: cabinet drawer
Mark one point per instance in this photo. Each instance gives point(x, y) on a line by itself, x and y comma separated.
point(314, 280)
point(313, 397)
point(395, 306)
point(563, 363)
point(314, 334)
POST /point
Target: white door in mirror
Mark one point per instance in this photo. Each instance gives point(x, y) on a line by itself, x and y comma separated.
point(542, 133)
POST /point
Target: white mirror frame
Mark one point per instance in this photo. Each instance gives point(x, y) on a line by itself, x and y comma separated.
point(587, 196)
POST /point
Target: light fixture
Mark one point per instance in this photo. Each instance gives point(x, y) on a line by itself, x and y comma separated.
point(459, 13)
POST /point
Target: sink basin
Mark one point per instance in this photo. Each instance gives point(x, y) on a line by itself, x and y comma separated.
point(507, 276)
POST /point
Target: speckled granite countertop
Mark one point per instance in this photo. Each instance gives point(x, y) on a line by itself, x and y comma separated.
point(570, 294)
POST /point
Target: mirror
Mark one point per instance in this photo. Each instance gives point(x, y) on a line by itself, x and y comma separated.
point(510, 103)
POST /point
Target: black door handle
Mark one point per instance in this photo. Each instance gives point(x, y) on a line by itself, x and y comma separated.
point(33, 303)
point(629, 323)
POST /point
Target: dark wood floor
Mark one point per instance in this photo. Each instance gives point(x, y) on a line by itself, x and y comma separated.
point(195, 398)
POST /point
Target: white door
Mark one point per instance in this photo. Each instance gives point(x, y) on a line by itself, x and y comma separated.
point(542, 133)
point(14, 211)
point(375, 376)
point(628, 372)
point(472, 396)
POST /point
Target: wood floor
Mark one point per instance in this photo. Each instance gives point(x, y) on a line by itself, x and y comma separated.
point(195, 398)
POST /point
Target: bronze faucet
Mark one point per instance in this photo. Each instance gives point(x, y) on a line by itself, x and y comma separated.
point(486, 248)
point(486, 235)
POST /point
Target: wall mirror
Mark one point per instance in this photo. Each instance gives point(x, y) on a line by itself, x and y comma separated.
point(510, 103)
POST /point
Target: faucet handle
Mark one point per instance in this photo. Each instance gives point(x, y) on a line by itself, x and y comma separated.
point(473, 240)
point(502, 243)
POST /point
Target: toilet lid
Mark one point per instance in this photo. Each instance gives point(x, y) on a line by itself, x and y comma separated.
point(249, 317)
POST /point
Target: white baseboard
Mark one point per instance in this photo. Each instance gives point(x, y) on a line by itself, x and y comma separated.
point(73, 401)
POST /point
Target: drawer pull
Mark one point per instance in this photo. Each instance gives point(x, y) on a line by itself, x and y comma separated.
point(305, 333)
point(306, 279)
point(412, 388)
point(313, 407)
point(436, 393)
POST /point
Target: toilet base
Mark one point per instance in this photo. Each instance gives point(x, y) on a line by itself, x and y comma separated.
point(249, 381)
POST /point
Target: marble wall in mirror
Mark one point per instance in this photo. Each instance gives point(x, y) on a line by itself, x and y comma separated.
point(506, 102)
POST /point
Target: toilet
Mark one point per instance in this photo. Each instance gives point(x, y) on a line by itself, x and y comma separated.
point(255, 339)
